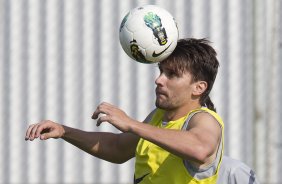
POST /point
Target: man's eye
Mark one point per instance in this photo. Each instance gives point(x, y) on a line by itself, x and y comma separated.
point(171, 74)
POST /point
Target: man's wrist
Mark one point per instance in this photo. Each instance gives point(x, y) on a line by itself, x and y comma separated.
point(65, 131)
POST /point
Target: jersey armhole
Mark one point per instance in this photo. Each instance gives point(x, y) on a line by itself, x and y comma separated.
point(150, 116)
point(210, 169)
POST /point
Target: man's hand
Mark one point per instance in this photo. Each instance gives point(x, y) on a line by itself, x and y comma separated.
point(44, 130)
point(113, 115)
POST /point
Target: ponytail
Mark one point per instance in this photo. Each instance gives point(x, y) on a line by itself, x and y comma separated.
point(206, 101)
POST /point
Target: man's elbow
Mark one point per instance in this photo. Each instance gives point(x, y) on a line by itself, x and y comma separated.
point(201, 155)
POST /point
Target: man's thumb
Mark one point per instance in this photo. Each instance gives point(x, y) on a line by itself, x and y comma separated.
point(46, 136)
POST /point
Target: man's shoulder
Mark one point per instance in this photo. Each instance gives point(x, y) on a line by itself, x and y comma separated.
point(204, 119)
point(155, 112)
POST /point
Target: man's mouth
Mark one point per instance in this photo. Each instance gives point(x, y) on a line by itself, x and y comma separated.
point(160, 92)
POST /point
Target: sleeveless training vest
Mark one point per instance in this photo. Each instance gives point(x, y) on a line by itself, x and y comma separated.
point(158, 166)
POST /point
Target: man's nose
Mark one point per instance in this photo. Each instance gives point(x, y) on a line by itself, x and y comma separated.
point(160, 79)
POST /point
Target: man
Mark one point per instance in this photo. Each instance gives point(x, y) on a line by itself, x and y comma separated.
point(181, 141)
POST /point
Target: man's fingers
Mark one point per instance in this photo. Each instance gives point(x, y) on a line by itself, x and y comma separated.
point(102, 118)
point(103, 108)
point(41, 128)
point(35, 130)
point(46, 136)
point(31, 133)
point(97, 112)
point(95, 115)
point(28, 132)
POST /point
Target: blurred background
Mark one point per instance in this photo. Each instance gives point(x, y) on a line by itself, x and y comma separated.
point(60, 58)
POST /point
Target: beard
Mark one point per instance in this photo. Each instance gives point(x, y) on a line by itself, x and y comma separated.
point(164, 104)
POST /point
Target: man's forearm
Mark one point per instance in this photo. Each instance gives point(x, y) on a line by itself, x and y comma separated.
point(180, 143)
point(103, 145)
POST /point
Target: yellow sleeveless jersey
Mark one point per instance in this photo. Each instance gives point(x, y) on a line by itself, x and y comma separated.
point(158, 166)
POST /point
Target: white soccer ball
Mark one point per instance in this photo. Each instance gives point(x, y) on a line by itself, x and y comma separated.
point(148, 34)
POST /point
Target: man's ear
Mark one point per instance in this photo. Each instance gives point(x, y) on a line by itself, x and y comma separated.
point(200, 87)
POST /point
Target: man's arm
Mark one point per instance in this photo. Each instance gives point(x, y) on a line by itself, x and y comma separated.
point(116, 148)
point(199, 144)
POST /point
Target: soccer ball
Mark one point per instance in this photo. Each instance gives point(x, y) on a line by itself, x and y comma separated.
point(148, 34)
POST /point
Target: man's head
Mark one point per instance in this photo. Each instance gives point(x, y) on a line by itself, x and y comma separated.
point(198, 58)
